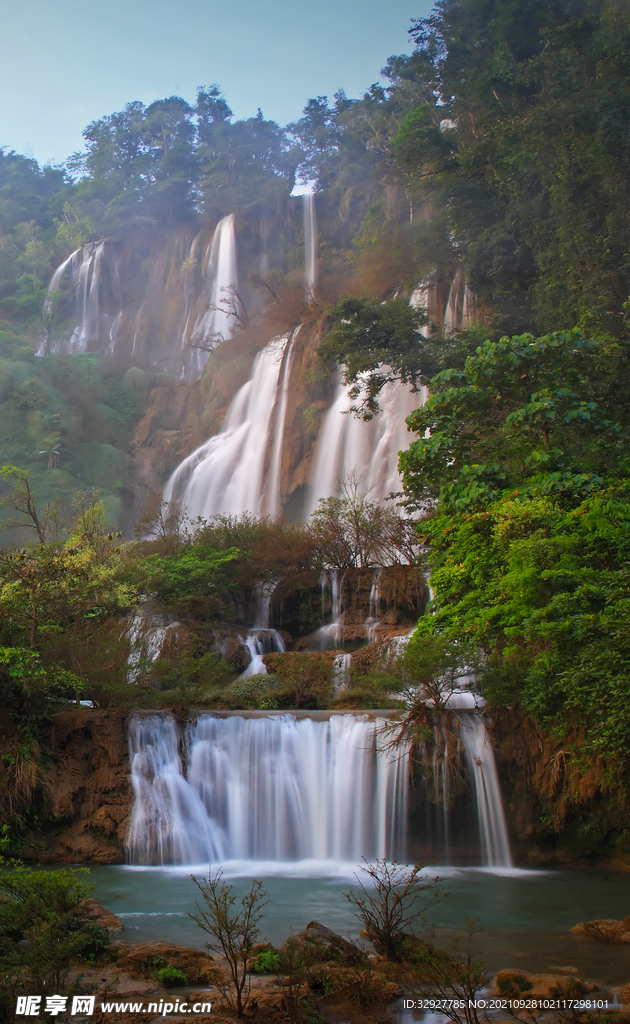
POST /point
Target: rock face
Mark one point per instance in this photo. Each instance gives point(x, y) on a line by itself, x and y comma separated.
point(547, 793)
point(90, 793)
point(609, 931)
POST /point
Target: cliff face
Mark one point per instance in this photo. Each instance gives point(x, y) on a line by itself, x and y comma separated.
point(88, 791)
point(558, 812)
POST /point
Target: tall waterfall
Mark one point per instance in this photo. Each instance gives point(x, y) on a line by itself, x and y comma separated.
point(226, 475)
point(275, 788)
point(310, 244)
point(370, 449)
point(220, 273)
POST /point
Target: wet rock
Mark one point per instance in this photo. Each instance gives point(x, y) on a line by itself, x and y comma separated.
point(623, 995)
point(513, 984)
point(92, 911)
point(327, 945)
point(606, 931)
point(233, 650)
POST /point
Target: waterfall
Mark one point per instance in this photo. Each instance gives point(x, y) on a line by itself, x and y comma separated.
point(147, 633)
point(80, 276)
point(495, 844)
point(335, 581)
point(460, 306)
point(260, 642)
point(220, 273)
point(275, 788)
point(374, 612)
point(369, 449)
point(341, 672)
point(275, 470)
point(310, 244)
point(226, 474)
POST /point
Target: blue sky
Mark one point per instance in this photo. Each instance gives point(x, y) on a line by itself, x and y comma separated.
point(68, 62)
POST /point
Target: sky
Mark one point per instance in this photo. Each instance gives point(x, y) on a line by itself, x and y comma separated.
point(70, 62)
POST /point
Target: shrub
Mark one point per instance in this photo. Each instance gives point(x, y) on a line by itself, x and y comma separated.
point(267, 962)
point(171, 977)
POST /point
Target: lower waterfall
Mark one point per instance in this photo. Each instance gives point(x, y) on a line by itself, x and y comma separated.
point(277, 787)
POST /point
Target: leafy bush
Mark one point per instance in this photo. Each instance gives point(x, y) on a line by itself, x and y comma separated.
point(267, 962)
point(171, 977)
point(93, 942)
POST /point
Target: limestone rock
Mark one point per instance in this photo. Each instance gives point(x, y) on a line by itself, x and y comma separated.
point(145, 958)
point(513, 984)
point(607, 931)
point(327, 944)
point(92, 911)
point(623, 995)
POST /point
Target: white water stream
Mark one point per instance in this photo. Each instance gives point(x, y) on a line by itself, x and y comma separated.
point(276, 787)
point(264, 788)
point(368, 449)
point(226, 475)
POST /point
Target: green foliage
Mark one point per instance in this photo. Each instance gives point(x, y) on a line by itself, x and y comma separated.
point(171, 977)
point(267, 962)
point(66, 421)
point(376, 342)
point(189, 582)
point(253, 691)
point(530, 160)
point(41, 931)
point(524, 450)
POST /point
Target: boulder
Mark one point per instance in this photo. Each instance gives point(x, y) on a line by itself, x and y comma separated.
point(327, 945)
point(90, 910)
point(623, 995)
point(146, 958)
point(607, 931)
point(514, 984)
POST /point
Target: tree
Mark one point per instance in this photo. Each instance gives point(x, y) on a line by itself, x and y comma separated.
point(353, 532)
point(531, 156)
point(394, 899)
point(233, 933)
point(376, 343)
point(42, 930)
point(23, 502)
point(521, 470)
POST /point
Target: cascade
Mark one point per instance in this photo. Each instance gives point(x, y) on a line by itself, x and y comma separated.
point(226, 474)
point(275, 788)
point(310, 244)
point(460, 306)
point(273, 487)
point(482, 765)
point(80, 276)
point(374, 613)
point(368, 449)
point(341, 672)
point(220, 272)
point(333, 583)
point(261, 639)
point(260, 642)
point(147, 633)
